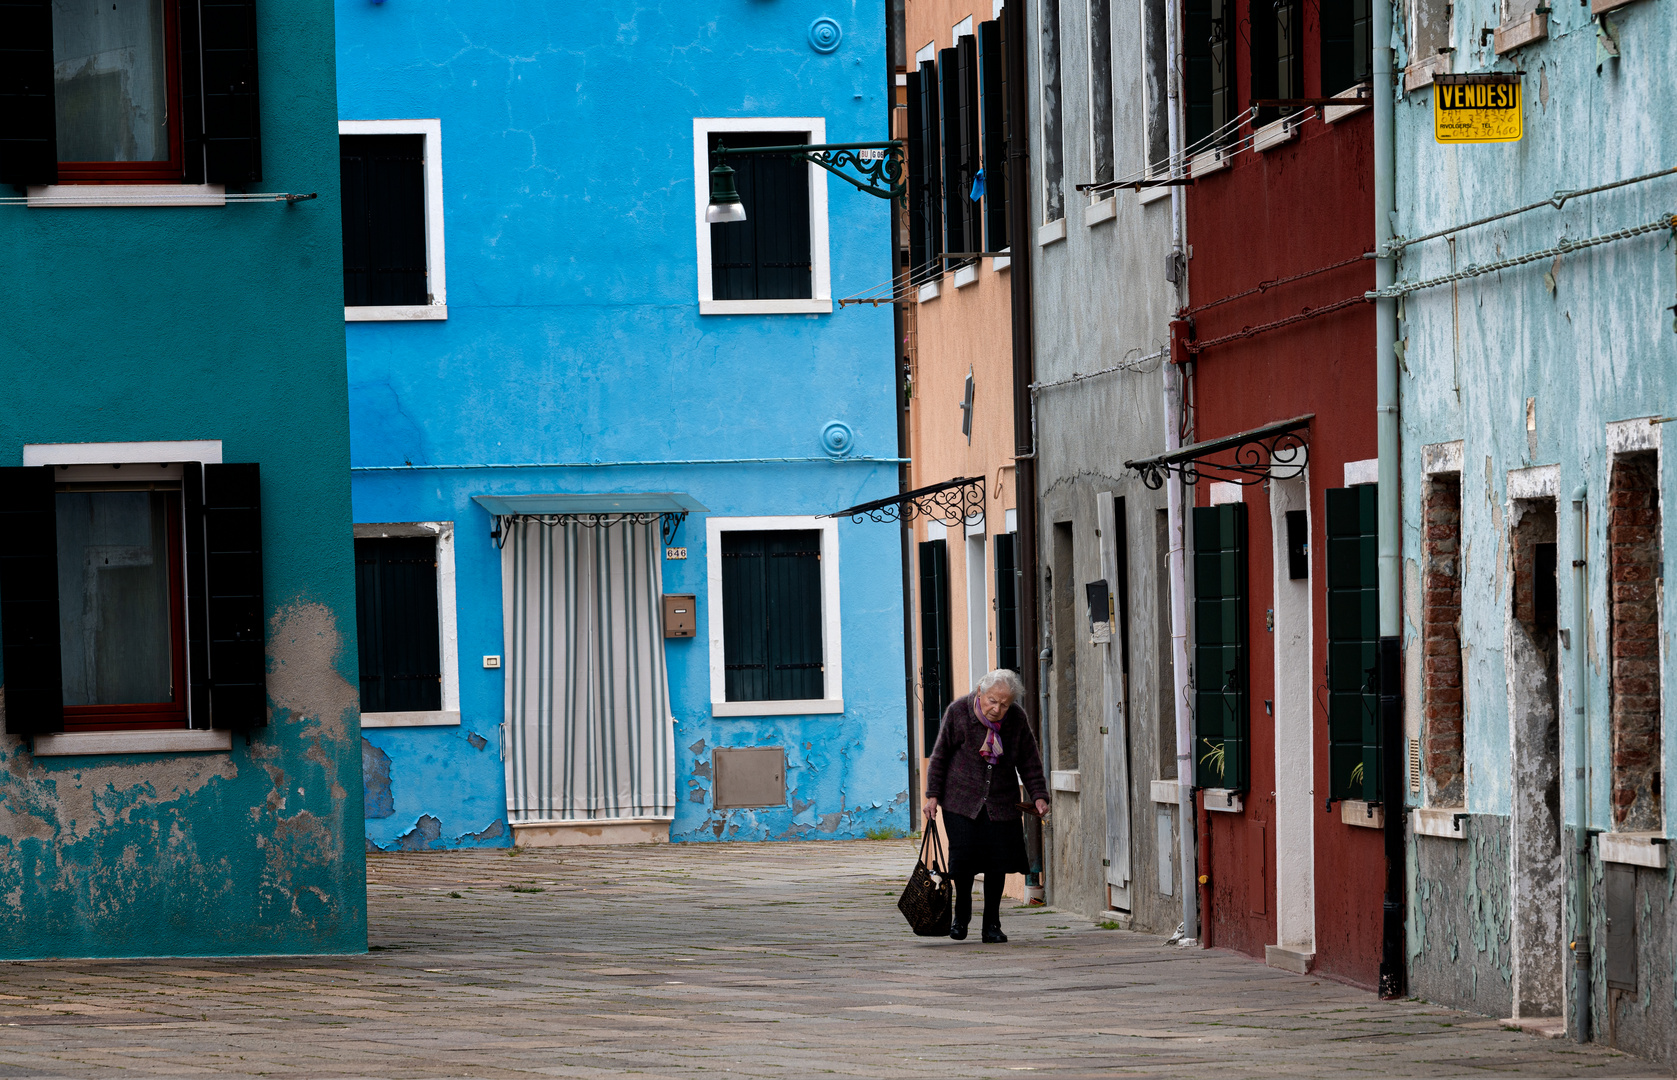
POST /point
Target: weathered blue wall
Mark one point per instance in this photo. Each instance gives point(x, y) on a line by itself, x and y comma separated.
point(203, 323)
point(1589, 337)
point(574, 336)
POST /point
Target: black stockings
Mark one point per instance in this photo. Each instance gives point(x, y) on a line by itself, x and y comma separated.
point(992, 899)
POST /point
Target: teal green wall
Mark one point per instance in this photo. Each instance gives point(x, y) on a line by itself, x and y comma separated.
point(204, 323)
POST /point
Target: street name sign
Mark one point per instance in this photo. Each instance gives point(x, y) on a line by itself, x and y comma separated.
point(1476, 108)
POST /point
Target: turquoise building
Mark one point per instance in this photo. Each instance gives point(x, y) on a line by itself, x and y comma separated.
point(179, 769)
point(594, 434)
point(1539, 370)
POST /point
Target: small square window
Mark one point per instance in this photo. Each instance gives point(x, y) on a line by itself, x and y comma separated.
point(405, 627)
point(391, 181)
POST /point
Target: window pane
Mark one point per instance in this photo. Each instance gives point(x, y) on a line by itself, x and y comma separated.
point(766, 256)
point(110, 80)
point(113, 597)
point(383, 181)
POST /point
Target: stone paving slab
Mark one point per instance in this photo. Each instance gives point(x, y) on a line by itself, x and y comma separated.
point(752, 960)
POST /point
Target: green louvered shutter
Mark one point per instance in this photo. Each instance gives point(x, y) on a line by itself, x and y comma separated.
point(1355, 760)
point(1220, 653)
point(936, 670)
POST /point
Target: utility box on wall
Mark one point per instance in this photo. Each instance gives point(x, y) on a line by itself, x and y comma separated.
point(679, 615)
point(751, 777)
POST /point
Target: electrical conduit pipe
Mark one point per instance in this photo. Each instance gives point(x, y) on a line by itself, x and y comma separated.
point(1581, 771)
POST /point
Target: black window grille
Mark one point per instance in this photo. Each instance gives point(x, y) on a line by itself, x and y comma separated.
point(766, 256)
point(383, 184)
point(1210, 69)
point(396, 624)
point(1277, 54)
point(772, 645)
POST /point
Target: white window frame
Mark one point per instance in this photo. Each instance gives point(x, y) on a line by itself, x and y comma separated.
point(435, 265)
point(832, 655)
point(168, 741)
point(447, 627)
point(821, 287)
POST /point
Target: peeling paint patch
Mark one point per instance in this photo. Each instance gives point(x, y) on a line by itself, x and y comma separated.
point(375, 781)
point(494, 831)
point(478, 741)
point(424, 834)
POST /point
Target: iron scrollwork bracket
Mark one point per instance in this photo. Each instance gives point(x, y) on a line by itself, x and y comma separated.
point(669, 522)
point(1280, 455)
point(953, 502)
point(880, 164)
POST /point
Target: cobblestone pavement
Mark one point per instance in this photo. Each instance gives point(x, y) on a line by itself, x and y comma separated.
point(774, 960)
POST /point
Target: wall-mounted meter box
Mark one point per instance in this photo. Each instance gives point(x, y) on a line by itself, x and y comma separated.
point(679, 618)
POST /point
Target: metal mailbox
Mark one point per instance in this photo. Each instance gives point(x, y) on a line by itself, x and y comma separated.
point(679, 615)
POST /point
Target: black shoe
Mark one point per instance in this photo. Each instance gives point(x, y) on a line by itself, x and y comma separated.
point(993, 934)
point(958, 931)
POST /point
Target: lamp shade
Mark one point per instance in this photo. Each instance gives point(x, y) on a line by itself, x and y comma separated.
point(725, 202)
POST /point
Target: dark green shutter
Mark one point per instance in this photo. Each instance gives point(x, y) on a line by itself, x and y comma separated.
point(772, 647)
point(28, 120)
point(931, 172)
point(396, 624)
point(1354, 755)
point(382, 180)
point(221, 121)
point(766, 256)
point(33, 674)
point(966, 53)
point(227, 663)
point(937, 679)
point(954, 187)
point(1007, 603)
point(994, 71)
point(918, 242)
point(1220, 647)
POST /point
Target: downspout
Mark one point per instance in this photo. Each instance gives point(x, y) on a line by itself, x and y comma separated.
point(1392, 973)
point(904, 529)
point(1186, 819)
point(1024, 365)
point(1580, 762)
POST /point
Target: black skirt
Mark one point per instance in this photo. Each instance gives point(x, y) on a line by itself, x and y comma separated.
point(983, 846)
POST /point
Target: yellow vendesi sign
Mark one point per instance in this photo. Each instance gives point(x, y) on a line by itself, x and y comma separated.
point(1476, 108)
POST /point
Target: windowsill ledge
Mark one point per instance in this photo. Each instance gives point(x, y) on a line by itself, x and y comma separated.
point(1601, 7)
point(1444, 822)
point(397, 313)
point(1278, 133)
point(1166, 792)
point(1051, 232)
point(928, 291)
point(1333, 114)
point(966, 275)
point(52, 196)
point(1202, 165)
point(74, 743)
point(1001, 262)
point(1149, 195)
point(1419, 75)
point(1223, 800)
point(808, 707)
point(1635, 849)
point(1521, 32)
point(765, 307)
point(1066, 780)
point(1099, 210)
point(1361, 814)
point(434, 718)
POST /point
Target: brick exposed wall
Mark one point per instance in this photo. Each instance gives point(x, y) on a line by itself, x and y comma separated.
point(1633, 544)
point(1441, 607)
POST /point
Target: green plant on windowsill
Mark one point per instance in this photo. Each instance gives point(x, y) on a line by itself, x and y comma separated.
point(1214, 757)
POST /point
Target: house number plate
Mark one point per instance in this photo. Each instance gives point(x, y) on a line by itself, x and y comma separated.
point(675, 553)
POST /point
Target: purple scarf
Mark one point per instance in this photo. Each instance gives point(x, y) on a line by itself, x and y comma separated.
point(991, 751)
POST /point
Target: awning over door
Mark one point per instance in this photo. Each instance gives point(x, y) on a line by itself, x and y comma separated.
point(591, 511)
point(1278, 451)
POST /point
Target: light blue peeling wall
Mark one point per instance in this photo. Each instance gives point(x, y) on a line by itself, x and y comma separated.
point(574, 335)
point(203, 323)
point(1597, 347)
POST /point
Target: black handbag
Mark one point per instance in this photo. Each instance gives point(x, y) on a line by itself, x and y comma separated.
point(928, 898)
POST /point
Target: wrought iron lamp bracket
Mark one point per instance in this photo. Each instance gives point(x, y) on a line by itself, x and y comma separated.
point(953, 502)
point(880, 164)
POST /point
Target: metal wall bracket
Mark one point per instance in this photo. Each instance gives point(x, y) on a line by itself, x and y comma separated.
point(1277, 451)
point(952, 502)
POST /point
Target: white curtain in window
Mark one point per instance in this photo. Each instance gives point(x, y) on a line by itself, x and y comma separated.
point(589, 736)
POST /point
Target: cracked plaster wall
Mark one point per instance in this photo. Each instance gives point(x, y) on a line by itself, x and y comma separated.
point(574, 336)
point(1584, 338)
point(155, 324)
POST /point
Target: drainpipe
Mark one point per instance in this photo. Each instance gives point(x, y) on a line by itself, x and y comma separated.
point(1580, 762)
point(1024, 363)
point(1391, 611)
point(1186, 819)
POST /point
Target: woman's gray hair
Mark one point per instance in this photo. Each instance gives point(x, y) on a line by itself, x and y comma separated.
point(1003, 677)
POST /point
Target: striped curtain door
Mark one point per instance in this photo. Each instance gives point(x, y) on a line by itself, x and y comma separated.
point(589, 735)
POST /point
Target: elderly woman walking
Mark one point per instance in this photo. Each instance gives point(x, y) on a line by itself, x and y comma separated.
point(983, 743)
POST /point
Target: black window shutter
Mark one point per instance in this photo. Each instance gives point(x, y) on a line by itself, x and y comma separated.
point(1007, 603)
point(226, 651)
point(397, 634)
point(937, 678)
point(1210, 68)
point(931, 169)
point(28, 122)
point(1347, 44)
point(793, 604)
point(222, 128)
point(1220, 649)
point(745, 650)
point(29, 600)
point(766, 256)
point(382, 178)
point(966, 50)
point(954, 190)
point(990, 42)
point(1354, 752)
point(916, 149)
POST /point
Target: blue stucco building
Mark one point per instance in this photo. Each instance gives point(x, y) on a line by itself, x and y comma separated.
point(592, 412)
point(178, 773)
point(1538, 375)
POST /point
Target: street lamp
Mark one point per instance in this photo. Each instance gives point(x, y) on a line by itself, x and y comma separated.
point(879, 163)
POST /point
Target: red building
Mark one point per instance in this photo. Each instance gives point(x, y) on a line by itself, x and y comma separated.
point(1279, 349)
